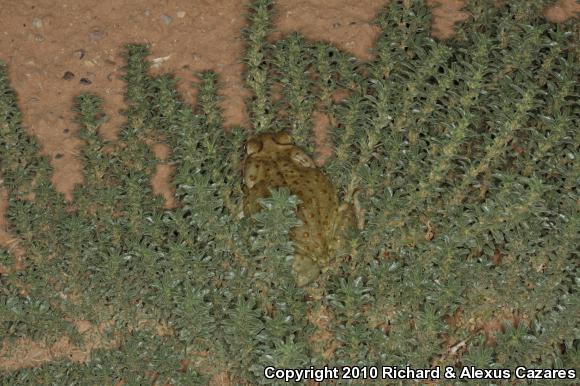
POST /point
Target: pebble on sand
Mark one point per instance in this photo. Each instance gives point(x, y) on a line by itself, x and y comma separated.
point(166, 19)
point(79, 54)
point(37, 23)
point(95, 36)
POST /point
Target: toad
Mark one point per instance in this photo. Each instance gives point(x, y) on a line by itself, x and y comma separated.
point(273, 161)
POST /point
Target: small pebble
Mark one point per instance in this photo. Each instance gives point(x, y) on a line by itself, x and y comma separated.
point(79, 54)
point(181, 14)
point(37, 23)
point(68, 75)
point(166, 19)
point(85, 81)
point(95, 36)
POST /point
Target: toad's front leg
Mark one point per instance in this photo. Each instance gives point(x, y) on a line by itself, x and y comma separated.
point(305, 269)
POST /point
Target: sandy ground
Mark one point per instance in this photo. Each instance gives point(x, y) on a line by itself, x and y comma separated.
point(42, 40)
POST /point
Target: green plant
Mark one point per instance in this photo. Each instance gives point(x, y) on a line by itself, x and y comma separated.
point(465, 155)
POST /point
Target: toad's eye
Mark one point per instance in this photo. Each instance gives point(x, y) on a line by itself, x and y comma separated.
point(283, 138)
point(302, 159)
point(253, 146)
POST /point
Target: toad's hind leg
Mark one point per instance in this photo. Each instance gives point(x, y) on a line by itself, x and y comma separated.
point(348, 215)
point(344, 222)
